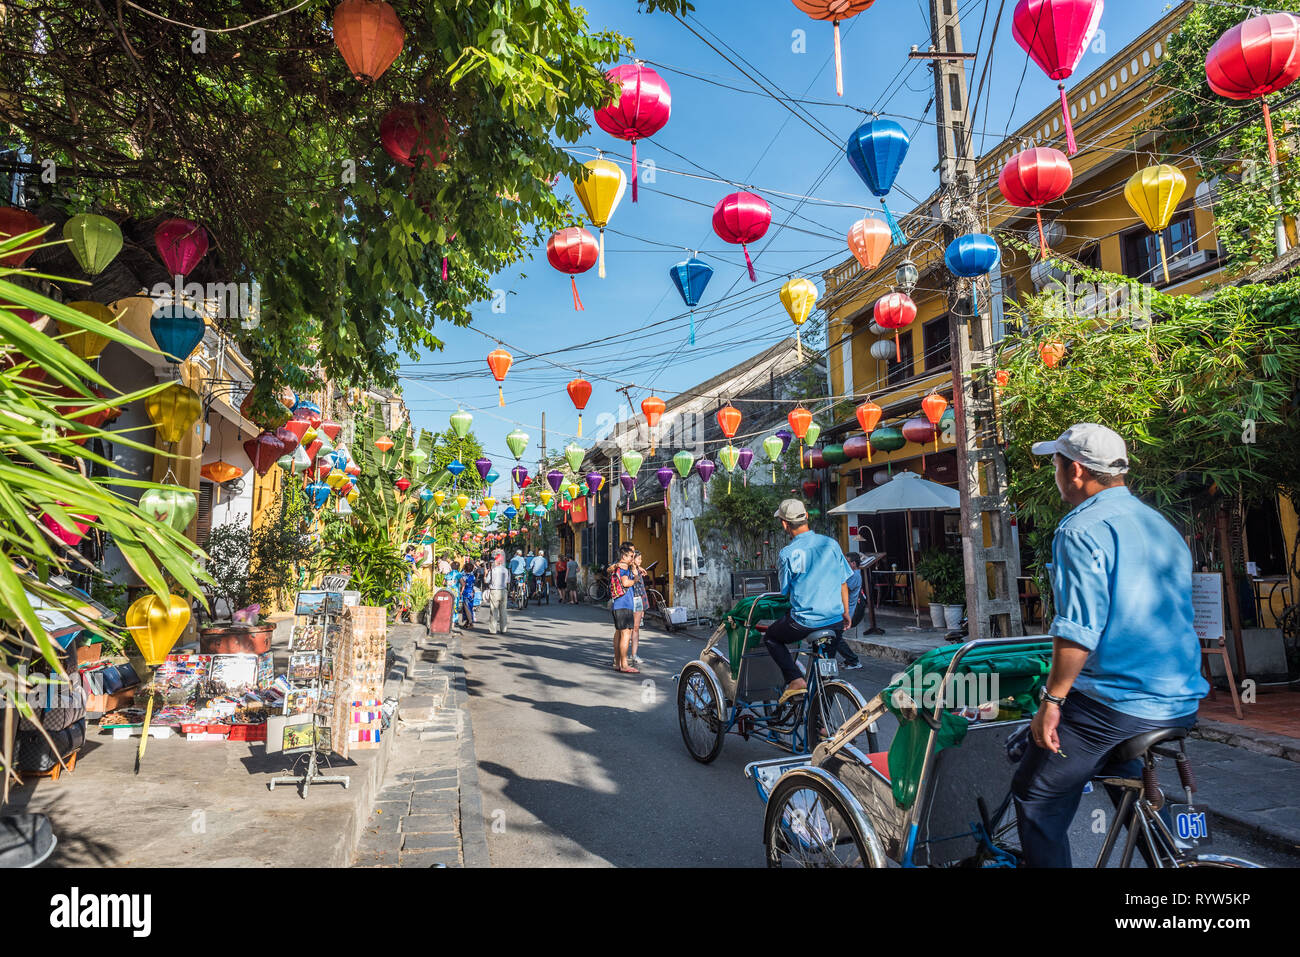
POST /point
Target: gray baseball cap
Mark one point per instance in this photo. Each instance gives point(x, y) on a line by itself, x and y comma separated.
point(792, 510)
point(1093, 446)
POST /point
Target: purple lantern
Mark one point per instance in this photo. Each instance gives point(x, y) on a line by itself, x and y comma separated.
point(519, 473)
point(629, 483)
point(593, 481)
point(484, 465)
point(743, 459)
point(706, 468)
point(786, 436)
point(553, 478)
point(665, 476)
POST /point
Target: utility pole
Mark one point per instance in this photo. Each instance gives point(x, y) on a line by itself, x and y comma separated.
point(981, 468)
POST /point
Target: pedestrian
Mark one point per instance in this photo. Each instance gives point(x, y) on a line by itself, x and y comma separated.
point(814, 575)
point(858, 602)
point(639, 600)
point(498, 593)
point(1125, 658)
point(571, 574)
point(561, 569)
point(537, 575)
point(621, 585)
point(467, 594)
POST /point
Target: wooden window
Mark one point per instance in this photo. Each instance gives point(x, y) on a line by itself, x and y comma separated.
point(904, 369)
point(205, 514)
point(936, 341)
point(1141, 255)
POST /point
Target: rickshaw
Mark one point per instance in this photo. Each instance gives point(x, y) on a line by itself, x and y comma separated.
point(940, 796)
point(736, 687)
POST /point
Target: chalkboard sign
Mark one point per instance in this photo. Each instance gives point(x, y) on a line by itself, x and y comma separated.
point(1207, 606)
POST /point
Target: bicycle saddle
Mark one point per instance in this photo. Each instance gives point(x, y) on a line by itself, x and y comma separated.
point(820, 635)
point(1138, 745)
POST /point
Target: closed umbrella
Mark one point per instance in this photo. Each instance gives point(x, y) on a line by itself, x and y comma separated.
point(690, 557)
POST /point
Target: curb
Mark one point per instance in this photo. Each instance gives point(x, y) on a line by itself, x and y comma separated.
point(473, 826)
point(1248, 739)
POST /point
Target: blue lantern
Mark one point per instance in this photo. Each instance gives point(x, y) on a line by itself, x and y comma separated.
point(972, 256)
point(876, 151)
point(510, 512)
point(491, 477)
point(319, 493)
point(177, 330)
point(691, 277)
point(308, 405)
point(426, 493)
point(455, 467)
point(338, 460)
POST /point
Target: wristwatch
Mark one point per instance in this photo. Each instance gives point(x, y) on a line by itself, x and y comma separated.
point(1045, 695)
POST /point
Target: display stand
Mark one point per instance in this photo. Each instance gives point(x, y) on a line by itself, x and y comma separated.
point(311, 775)
point(865, 567)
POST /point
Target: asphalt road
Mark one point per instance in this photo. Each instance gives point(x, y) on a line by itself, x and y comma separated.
point(582, 766)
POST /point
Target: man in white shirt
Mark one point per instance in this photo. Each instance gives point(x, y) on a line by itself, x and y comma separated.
point(498, 586)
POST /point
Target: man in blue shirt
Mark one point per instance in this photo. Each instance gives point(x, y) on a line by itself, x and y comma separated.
point(1125, 659)
point(814, 575)
point(537, 570)
point(518, 565)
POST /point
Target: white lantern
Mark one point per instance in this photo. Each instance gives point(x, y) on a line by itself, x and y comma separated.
point(1053, 231)
point(1042, 272)
point(881, 476)
point(876, 329)
point(884, 349)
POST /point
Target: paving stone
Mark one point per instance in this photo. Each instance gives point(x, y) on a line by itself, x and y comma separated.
point(434, 785)
point(379, 843)
point(435, 802)
point(428, 823)
point(430, 842)
point(383, 823)
point(378, 859)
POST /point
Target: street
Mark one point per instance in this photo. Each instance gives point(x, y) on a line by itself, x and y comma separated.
point(581, 766)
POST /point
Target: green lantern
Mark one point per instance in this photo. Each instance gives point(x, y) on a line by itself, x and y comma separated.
point(729, 456)
point(683, 461)
point(772, 446)
point(885, 439)
point(834, 454)
point(810, 437)
point(583, 490)
point(94, 241)
point(948, 426)
point(460, 422)
point(574, 454)
point(417, 456)
point(517, 441)
point(632, 460)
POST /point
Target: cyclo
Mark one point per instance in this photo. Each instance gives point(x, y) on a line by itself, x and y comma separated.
point(736, 687)
point(940, 796)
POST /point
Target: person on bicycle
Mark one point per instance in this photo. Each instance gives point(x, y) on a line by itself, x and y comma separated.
point(518, 565)
point(537, 574)
point(1125, 658)
point(814, 575)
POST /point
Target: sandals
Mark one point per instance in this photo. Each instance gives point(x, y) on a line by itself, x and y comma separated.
point(787, 695)
point(629, 671)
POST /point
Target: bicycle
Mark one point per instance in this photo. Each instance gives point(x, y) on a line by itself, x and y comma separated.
point(598, 590)
point(656, 605)
point(519, 593)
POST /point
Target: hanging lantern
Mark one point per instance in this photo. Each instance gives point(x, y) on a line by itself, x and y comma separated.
point(810, 488)
point(483, 466)
point(579, 392)
point(516, 500)
point(876, 151)
point(729, 456)
point(546, 495)
point(705, 468)
point(664, 475)
point(799, 420)
point(600, 191)
point(490, 502)
point(170, 505)
point(369, 35)
point(439, 496)
point(642, 108)
point(155, 624)
point(972, 256)
point(455, 467)
point(414, 130)
point(799, 296)
point(177, 331)
point(83, 343)
point(683, 461)
point(554, 478)
point(921, 431)
point(786, 437)
point(574, 454)
point(181, 243)
point(1002, 377)
point(69, 536)
point(729, 420)
point(594, 480)
point(834, 11)
point(318, 493)
point(895, 310)
point(299, 428)
point(1051, 353)
point(462, 501)
point(887, 439)
point(631, 460)
point(263, 451)
point(869, 240)
point(881, 476)
point(403, 483)
point(773, 446)
point(1056, 33)
point(289, 443)
point(516, 442)
point(173, 410)
point(934, 406)
point(653, 407)
point(740, 219)
point(834, 454)
point(221, 472)
point(1256, 57)
point(744, 458)
point(94, 241)
point(300, 461)
point(499, 361)
point(814, 432)
point(868, 414)
point(16, 222)
point(384, 444)
point(460, 422)
point(518, 474)
point(1032, 179)
point(1154, 194)
point(691, 277)
point(573, 251)
point(628, 483)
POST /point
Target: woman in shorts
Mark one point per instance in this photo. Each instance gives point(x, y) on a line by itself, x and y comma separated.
point(622, 585)
point(639, 602)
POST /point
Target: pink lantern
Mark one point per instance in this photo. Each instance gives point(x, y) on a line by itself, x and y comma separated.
point(263, 451)
point(1056, 33)
point(742, 218)
point(181, 244)
point(69, 536)
point(642, 109)
point(1255, 58)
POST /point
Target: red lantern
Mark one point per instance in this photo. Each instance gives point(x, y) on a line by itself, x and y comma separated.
point(298, 427)
point(857, 447)
point(1051, 353)
point(411, 130)
point(810, 488)
point(934, 406)
point(403, 483)
point(1255, 58)
point(1033, 178)
point(742, 218)
point(263, 451)
point(894, 311)
point(15, 222)
point(573, 250)
point(815, 459)
point(643, 107)
point(729, 420)
point(369, 35)
point(313, 449)
point(1002, 377)
point(653, 407)
point(921, 431)
point(499, 361)
point(331, 429)
point(1056, 33)
point(579, 392)
point(181, 244)
point(288, 440)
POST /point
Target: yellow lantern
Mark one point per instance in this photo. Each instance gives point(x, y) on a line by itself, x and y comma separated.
point(155, 625)
point(1154, 194)
point(516, 500)
point(545, 495)
point(439, 497)
point(490, 502)
point(173, 410)
point(352, 497)
point(88, 345)
point(799, 296)
point(336, 478)
point(600, 192)
point(462, 500)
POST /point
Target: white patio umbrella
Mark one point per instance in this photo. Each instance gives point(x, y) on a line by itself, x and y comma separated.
point(690, 557)
point(906, 492)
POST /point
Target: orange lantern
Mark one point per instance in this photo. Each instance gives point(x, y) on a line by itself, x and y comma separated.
point(799, 421)
point(869, 417)
point(729, 420)
point(1002, 377)
point(369, 35)
point(383, 443)
point(1052, 353)
point(869, 240)
point(220, 472)
point(499, 361)
point(653, 407)
point(579, 392)
point(934, 406)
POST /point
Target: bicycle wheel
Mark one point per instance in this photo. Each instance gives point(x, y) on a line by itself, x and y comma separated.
point(597, 591)
point(807, 824)
point(832, 705)
point(697, 714)
point(1215, 860)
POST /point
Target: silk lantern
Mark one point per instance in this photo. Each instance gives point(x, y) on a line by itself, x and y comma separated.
point(740, 219)
point(895, 310)
point(934, 406)
point(876, 151)
point(887, 439)
point(972, 256)
point(221, 472)
point(499, 361)
point(773, 446)
point(921, 431)
point(869, 240)
point(691, 277)
point(574, 454)
point(729, 420)
point(516, 442)
point(814, 431)
point(546, 495)
point(462, 500)
point(460, 422)
point(834, 11)
point(170, 505)
point(84, 343)
point(628, 483)
point(868, 415)
point(69, 536)
point(600, 192)
point(798, 296)
point(413, 130)
point(403, 484)
point(631, 461)
point(16, 222)
point(729, 456)
point(177, 331)
point(573, 250)
point(664, 475)
point(799, 419)
point(1051, 353)
point(579, 390)
point(369, 36)
point(518, 474)
point(705, 468)
point(744, 458)
point(652, 407)
point(94, 241)
point(439, 496)
point(181, 243)
point(173, 410)
point(554, 478)
point(384, 444)
point(1056, 33)
point(642, 108)
point(263, 451)
point(786, 437)
point(1032, 179)
point(1256, 57)
point(455, 467)
point(318, 493)
point(1154, 193)
point(856, 448)
point(483, 466)
point(683, 461)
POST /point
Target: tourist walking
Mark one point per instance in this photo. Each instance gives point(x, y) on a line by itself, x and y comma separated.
point(639, 600)
point(621, 585)
point(467, 594)
point(571, 576)
point(498, 593)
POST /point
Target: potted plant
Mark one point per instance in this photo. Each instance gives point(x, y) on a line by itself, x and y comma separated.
point(952, 594)
point(936, 568)
point(228, 550)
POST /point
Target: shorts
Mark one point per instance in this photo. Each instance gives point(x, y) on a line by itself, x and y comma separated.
point(624, 619)
point(637, 604)
point(559, 580)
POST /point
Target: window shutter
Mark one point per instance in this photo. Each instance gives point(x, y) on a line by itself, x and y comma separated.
point(205, 514)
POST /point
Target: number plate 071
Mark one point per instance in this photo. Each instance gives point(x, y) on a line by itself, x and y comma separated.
point(828, 667)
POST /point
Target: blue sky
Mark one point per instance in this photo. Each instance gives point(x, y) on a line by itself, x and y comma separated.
point(723, 126)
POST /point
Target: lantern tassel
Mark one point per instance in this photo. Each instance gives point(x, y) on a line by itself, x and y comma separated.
point(635, 171)
point(798, 344)
point(753, 276)
point(898, 348)
point(1042, 237)
point(1268, 132)
point(1071, 146)
point(579, 425)
point(839, 69)
point(144, 730)
point(896, 234)
point(577, 303)
point(501, 396)
point(868, 451)
point(1164, 264)
point(692, 327)
point(601, 271)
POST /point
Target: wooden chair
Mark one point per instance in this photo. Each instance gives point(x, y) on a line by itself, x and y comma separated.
point(1209, 648)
